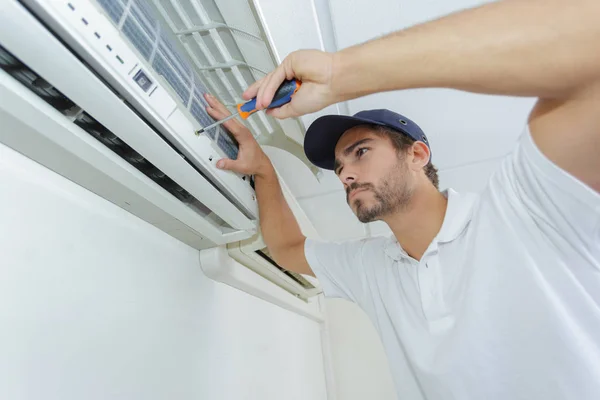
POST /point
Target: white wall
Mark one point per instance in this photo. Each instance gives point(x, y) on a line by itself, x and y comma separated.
point(97, 304)
point(360, 365)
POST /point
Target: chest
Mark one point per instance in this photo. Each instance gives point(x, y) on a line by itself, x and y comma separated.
point(483, 298)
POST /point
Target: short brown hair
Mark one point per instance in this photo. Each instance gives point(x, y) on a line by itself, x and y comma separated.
point(402, 143)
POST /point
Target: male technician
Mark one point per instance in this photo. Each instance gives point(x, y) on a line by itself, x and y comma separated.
point(495, 296)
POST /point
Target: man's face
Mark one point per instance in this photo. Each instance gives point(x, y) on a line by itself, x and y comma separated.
point(374, 174)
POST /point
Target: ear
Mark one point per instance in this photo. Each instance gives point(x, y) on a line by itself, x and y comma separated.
point(420, 155)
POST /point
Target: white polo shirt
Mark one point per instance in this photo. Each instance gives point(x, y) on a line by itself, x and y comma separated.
point(505, 302)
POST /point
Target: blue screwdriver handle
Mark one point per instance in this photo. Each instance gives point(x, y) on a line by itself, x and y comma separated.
point(282, 96)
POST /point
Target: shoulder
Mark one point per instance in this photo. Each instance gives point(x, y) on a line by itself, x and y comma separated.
point(531, 192)
point(342, 267)
point(354, 249)
point(527, 173)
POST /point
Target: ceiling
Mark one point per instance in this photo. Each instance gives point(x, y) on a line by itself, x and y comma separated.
point(469, 133)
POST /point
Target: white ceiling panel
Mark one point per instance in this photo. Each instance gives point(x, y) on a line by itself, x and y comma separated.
point(289, 25)
point(332, 217)
point(327, 182)
point(356, 21)
point(469, 178)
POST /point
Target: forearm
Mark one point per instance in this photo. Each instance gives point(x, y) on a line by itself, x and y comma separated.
point(278, 225)
point(542, 48)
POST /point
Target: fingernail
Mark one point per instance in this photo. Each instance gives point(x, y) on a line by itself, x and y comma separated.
point(219, 164)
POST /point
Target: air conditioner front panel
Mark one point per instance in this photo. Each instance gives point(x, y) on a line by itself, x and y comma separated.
point(34, 45)
point(99, 42)
point(35, 129)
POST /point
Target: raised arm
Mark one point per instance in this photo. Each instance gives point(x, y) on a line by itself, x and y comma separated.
point(542, 48)
point(278, 225)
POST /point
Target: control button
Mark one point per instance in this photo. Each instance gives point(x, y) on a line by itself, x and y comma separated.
point(142, 80)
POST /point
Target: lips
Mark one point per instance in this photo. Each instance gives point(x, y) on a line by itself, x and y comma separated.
point(354, 192)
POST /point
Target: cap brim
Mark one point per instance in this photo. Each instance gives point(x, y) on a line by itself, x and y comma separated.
point(323, 134)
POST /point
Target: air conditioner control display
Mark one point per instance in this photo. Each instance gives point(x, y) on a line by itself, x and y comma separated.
point(142, 80)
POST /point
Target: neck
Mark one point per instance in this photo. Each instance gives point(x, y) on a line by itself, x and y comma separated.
point(417, 225)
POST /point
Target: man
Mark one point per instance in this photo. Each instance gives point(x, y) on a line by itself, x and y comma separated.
point(495, 296)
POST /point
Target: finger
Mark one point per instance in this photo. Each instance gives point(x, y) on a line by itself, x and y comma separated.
point(261, 89)
point(237, 129)
point(252, 90)
point(285, 111)
point(216, 104)
point(218, 111)
point(267, 90)
point(228, 165)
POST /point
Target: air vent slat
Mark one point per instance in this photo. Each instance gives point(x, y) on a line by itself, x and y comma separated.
point(114, 9)
point(86, 122)
point(144, 22)
point(134, 33)
point(294, 276)
point(35, 83)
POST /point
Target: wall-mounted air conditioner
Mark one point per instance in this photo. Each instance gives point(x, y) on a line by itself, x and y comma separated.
point(103, 94)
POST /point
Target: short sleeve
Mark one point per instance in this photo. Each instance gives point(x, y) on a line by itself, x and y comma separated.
point(338, 267)
point(560, 204)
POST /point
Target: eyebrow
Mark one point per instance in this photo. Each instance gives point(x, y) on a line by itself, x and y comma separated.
point(348, 150)
point(354, 145)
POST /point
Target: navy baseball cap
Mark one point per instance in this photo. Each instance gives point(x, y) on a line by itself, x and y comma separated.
point(323, 134)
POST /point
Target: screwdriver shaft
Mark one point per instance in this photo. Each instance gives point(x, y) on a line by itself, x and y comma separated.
point(217, 123)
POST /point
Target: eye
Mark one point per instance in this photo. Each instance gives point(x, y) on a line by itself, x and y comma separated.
point(361, 151)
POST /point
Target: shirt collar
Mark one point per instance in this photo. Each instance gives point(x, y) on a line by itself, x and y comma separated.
point(458, 214)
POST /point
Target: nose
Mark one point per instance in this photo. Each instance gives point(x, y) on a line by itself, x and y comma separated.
point(347, 176)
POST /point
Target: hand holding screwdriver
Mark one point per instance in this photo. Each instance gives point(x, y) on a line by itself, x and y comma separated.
point(282, 96)
point(314, 68)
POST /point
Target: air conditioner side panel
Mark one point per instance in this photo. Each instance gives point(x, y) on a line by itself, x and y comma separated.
point(218, 265)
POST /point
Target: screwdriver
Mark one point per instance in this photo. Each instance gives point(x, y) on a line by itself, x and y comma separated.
point(282, 96)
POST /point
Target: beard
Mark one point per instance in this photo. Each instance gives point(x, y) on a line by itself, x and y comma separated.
point(393, 194)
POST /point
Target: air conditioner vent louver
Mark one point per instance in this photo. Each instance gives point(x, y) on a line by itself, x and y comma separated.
point(294, 276)
point(34, 82)
point(56, 99)
point(110, 140)
point(253, 254)
point(113, 8)
point(133, 32)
